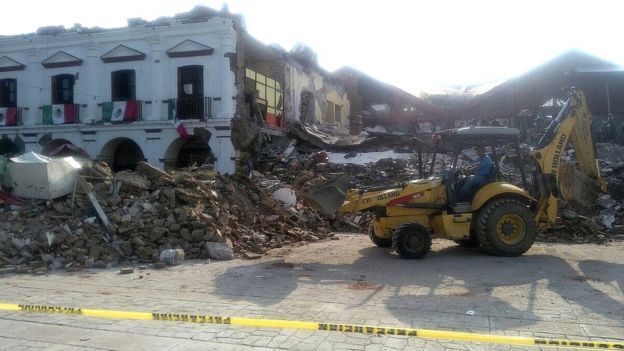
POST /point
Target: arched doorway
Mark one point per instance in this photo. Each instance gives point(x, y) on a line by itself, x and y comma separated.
point(122, 154)
point(9, 148)
point(187, 152)
point(191, 92)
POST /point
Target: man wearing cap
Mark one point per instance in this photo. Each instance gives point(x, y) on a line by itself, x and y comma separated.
point(480, 174)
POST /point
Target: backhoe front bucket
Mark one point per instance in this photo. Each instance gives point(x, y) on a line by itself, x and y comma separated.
point(329, 195)
point(577, 188)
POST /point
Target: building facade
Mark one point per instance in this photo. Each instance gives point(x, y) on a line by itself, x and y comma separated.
point(115, 93)
point(119, 94)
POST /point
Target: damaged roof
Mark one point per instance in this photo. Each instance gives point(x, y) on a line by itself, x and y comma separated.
point(198, 14)
point(546, 81)
point(409, 107)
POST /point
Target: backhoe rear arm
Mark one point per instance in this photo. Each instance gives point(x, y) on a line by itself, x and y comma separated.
point(573, 124)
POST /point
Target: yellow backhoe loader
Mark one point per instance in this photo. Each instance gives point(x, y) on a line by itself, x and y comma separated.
point(500, 217)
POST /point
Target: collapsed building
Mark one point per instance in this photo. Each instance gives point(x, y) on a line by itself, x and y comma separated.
point(163, 91)
point(385, 107)
point(532, 99)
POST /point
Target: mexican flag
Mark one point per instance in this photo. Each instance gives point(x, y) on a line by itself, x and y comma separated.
point(180, 128)
point(59, 114)
point(120, 111)
point(8, 116)
point(176, 123)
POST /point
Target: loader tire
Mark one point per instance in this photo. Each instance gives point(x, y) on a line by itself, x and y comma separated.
point(505, 227)
point(380, 242)
point(411, 240)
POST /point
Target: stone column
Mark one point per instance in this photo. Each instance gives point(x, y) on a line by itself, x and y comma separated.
point(35, 88)
point(156, 88)
point(228, 91)
point(92, 98)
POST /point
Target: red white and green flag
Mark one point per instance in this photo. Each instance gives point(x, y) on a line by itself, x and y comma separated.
point(177, 124)
point(59, 114)
point(120, 111)
point(8, 116)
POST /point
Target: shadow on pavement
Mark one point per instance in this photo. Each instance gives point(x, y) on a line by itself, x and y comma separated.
point(384, 279)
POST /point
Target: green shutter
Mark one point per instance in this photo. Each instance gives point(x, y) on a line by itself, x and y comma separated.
point(171, 104)
point(107, 111)
point(47, 114)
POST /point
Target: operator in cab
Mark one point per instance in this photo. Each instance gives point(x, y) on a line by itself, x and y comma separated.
point(480, 174)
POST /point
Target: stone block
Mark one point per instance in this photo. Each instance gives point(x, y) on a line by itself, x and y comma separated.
point(219, 251)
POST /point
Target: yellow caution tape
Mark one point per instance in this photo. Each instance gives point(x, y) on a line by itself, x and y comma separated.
point(346, 328)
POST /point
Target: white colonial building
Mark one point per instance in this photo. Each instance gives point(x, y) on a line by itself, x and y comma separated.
point(116, 92)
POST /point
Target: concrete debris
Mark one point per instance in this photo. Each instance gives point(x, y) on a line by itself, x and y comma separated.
point(367, 157)
point(569, 214)
point(586, 225)
point(326, 137)
point(129, 270)
point(604, 222)
point(612, 168)
point(151, 212)
point(605, 201)
point(285, 195)
point(132, 180)
point(608, 218)
point(219, 251)
point(304, 167)
point(251, 255)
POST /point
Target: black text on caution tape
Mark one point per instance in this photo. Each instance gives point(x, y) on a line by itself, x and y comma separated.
point(351, 328)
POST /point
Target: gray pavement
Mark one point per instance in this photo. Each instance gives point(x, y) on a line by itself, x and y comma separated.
point(555, 290)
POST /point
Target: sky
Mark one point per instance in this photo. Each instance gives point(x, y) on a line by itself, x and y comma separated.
point(415, 45)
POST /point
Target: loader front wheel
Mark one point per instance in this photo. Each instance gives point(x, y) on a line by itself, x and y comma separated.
point(506, 227)
point(411, 240)
point(381, 242)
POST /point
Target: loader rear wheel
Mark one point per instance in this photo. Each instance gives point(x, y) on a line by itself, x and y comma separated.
point(381, 242)
point(505, 227)
point(411, 240)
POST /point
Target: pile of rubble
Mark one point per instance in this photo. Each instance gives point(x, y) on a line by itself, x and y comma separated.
point(133, 216)
point(605, 221)
point(610, 207)
point(113, 218)
point(601, 224)
point(300, 169)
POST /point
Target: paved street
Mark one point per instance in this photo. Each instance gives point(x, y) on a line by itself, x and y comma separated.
point(556, 290)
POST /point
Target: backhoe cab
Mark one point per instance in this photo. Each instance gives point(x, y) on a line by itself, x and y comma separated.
point(500, 217)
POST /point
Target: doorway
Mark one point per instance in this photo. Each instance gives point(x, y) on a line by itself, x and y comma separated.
point(190, 92)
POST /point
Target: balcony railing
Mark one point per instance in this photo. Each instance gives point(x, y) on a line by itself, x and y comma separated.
point(11, 116)
point(122, 111)
point(190, 108)
point(61, 114)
